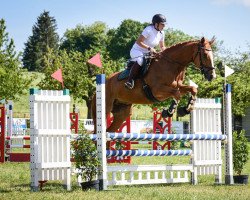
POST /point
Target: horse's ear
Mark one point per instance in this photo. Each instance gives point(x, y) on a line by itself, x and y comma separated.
point(212, 40)
point(202, 40)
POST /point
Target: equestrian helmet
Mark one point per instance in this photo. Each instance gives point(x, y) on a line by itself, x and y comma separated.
point(158, 18)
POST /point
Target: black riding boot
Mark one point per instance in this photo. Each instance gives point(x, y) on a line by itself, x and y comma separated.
point(133, 73)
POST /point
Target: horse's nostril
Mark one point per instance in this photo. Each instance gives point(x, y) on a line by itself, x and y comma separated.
point(210, 77)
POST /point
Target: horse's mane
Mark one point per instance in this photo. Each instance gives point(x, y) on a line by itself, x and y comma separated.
point(179, 44)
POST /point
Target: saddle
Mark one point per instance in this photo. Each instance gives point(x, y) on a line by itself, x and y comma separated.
point(144, 68)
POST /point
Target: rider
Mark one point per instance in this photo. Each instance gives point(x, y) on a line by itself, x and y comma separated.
point(150, 37)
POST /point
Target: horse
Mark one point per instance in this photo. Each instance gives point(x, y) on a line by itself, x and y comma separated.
point(164, 79)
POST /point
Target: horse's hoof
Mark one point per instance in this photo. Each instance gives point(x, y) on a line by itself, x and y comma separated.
point(182, 111)
point(165, 113)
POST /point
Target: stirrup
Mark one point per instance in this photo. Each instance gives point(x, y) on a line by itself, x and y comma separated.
point(130, 85)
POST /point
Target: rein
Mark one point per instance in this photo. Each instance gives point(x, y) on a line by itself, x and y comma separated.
point(169, 59)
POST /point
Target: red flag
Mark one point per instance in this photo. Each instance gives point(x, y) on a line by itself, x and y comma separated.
point(58, 76)
point(96, 60)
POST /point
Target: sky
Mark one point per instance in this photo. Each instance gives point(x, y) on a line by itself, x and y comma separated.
point(228, 20)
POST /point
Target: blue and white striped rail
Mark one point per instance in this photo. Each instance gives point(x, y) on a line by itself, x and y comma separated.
point(159, 137)
point(148, 152)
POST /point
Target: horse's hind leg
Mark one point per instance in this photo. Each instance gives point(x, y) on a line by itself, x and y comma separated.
point(120, 113)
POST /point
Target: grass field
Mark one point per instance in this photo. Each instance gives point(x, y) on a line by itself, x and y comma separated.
point(15, 184)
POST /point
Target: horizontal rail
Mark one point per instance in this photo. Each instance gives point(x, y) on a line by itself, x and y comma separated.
point(148, 152)
point(20, 137)
point(159, 137)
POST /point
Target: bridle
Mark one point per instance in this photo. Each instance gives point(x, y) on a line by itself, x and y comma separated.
point(204, 69)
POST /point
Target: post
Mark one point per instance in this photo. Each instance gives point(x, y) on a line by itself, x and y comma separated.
point(2, 134)
point(9, 108)
point(101, 129)
point(228, 131)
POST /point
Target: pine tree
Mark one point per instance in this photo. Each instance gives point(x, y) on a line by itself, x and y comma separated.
point(44, 37)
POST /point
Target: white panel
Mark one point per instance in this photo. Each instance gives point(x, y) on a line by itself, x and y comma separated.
point(136, 177)
point(51, 146)
point(207, 154)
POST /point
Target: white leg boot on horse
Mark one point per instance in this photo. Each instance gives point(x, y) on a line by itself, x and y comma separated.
point(170, 111)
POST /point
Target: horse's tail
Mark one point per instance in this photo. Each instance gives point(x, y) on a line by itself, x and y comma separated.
point(93, 111)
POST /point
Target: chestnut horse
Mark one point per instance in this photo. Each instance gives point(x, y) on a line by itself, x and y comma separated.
point(165, 77)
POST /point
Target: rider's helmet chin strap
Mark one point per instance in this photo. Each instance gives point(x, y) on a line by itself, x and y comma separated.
point(157, 28)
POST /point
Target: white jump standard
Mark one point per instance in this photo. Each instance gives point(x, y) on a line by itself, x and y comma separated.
point(49, 137)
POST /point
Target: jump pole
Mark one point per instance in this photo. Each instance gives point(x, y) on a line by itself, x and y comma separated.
point(228, 131)
point(101, 129)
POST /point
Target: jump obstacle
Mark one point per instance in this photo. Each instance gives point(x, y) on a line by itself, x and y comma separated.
point(12, 137)
point(16, 137)
point(50, 144)
point(206, 154)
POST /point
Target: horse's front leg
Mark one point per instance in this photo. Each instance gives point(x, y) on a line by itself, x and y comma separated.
point(171, 110)
point(166, 92)
point(184, 89)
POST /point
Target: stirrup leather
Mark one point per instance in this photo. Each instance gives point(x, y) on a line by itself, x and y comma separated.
point(130, 85)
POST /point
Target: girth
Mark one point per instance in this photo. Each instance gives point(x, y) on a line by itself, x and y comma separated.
point(148, 92)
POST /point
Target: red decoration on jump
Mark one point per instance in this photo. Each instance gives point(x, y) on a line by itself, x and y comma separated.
point(74, 117)
point(125, 144)
point(158, 127)
point(2, 134)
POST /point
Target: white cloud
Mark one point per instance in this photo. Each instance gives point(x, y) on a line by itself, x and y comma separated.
point(227, 2)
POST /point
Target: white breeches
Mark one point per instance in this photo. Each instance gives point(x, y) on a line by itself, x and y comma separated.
point(137, 56)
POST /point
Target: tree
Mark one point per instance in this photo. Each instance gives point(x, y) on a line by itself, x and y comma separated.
point(13, 80)
point(123, 38)
point(83, 38)
point(173, 37)
point(43, 36)
point(240, 83)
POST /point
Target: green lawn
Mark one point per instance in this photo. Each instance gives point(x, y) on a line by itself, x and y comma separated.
point(15, 184)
